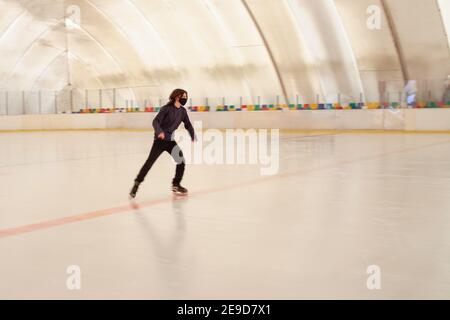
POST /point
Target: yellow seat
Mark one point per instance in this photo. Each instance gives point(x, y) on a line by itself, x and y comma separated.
point(422, 104)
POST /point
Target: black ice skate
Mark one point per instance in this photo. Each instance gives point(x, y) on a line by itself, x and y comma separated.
point(134, 190)
point(178, 189)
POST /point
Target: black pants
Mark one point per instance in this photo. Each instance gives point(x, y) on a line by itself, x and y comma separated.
point(159, 146)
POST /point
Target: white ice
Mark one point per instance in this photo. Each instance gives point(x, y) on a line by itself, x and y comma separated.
point(340, 204)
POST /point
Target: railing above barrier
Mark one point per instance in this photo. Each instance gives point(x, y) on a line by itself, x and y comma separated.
point(415, 94)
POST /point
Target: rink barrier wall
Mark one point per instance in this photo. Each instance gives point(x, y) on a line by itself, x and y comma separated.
point(366, 119)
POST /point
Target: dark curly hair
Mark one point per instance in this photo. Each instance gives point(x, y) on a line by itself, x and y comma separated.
point(177, 93)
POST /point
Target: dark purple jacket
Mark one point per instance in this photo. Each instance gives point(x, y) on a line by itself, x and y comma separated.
point(168, 120)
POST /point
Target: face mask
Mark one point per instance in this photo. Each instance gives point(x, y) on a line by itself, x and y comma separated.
point(183, 101)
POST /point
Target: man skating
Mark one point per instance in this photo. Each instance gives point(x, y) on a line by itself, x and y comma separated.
point(165, 123)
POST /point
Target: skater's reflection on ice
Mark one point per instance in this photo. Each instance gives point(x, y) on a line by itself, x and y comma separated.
point(166, 243)
point(165, 232)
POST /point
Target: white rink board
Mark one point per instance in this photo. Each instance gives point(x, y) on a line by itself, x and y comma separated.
point(400, 119)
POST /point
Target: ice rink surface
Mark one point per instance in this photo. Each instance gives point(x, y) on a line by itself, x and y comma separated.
point(339, 204)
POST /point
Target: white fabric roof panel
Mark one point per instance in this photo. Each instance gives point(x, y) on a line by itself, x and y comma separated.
point(217, 48)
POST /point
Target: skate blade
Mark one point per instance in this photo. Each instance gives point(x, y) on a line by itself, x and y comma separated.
point(176, 193)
